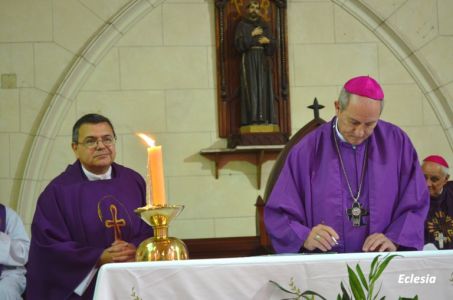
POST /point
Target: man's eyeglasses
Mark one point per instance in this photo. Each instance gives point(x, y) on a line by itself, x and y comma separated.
point(92, 143)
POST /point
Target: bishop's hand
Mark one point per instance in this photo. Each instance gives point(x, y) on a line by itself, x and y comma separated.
point(378, 242)
point(321, 237)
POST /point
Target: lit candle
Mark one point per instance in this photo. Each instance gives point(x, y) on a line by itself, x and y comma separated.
point(155, 187)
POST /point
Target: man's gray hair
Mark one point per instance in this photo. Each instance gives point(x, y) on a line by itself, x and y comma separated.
point(445, 170)
point(344, 98)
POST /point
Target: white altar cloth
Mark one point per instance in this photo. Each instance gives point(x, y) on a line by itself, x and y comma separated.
point(248, 277)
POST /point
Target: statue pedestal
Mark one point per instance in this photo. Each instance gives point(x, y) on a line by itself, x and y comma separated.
point(259, 128)
point(258, 134)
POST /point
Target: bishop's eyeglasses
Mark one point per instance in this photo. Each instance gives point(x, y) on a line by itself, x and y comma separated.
point(92, 142)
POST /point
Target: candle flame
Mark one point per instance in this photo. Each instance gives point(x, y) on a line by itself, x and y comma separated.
point(147, 139)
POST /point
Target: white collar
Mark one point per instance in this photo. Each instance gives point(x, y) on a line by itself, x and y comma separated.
point(341, 136)
point(93, 177)
point(338, 132)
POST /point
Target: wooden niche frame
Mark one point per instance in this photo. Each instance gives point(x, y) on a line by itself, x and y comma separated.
point(227, 15)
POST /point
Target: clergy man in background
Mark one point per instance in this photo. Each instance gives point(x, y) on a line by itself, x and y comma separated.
point(439, 223)
point(85, 217)
point(354, 184)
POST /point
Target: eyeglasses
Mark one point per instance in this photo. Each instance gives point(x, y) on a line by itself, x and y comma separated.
point(92, 142)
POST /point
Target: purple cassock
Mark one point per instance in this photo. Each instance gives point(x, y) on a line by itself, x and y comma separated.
point(311, 189)
point(75, 220)
point(439, 223)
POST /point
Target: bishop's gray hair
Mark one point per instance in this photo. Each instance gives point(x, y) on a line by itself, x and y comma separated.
point(345, 97)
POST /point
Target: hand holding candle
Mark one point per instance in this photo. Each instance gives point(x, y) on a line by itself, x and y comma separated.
point(155, 187)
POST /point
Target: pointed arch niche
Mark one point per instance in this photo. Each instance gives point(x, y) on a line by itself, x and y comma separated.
point(82, 67)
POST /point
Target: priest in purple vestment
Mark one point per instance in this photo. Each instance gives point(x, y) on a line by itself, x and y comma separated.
point(354, 184)
point(85, 217)
point(439, 223)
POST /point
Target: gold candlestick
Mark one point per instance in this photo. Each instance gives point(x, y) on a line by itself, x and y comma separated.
point(160, 246)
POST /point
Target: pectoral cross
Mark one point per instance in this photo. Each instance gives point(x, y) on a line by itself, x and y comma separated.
point(440, 238)
point(115, 222)
point(355, 214)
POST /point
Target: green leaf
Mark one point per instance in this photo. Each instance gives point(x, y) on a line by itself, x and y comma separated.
point(373, 265)
point(356, 288)
point(312, 293)
point(383, 265)
point(361, 276)
point(297, 292)
point(346, 295)
point(282, 288)
point(377, 294)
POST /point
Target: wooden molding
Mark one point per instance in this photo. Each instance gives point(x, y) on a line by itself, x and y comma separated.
point(224, 247)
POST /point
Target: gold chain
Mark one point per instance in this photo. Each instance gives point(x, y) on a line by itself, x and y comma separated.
point(356, 198)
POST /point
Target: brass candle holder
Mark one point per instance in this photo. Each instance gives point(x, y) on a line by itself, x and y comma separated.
point(160, 246)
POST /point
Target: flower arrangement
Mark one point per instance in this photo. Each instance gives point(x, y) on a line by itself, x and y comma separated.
point(360, 287)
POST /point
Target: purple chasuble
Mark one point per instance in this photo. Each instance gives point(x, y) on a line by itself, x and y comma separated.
point(440, 219)
point(75, 220)
point(311, 189)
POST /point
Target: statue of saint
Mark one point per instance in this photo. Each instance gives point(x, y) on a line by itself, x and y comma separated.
point(256, 45)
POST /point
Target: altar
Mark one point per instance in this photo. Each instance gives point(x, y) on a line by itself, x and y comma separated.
point(428, 274)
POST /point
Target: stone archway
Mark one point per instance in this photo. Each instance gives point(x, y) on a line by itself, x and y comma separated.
point(413, 63)
point(119, 24)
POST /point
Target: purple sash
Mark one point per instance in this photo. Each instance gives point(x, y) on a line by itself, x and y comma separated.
point(2, 225)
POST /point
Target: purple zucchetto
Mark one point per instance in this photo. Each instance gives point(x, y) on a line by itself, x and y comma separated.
point(364, 86)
